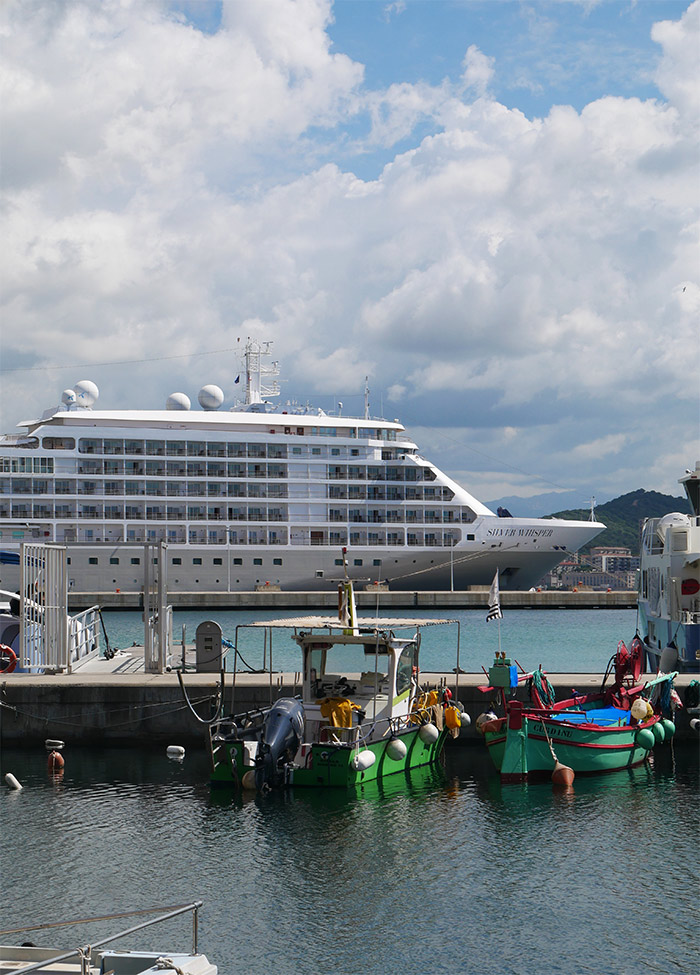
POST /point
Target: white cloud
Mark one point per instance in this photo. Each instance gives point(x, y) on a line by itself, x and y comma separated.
point(478, 70)
point(166, 190)
point(677, 76)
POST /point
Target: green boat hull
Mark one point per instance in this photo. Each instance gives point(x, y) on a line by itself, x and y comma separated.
point(330, 766)
point(521, 753)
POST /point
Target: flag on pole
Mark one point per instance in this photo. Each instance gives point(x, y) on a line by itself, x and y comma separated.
point(494, 612)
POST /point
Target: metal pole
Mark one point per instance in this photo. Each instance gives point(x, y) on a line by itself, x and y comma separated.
point(147, 633)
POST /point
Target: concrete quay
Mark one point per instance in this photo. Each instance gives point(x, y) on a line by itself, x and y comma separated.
point(143, 709)
point(328, 599)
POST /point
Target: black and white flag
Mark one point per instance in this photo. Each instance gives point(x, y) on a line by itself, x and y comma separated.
point(494, 612)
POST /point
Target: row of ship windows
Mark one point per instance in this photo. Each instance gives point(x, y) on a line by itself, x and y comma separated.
point(203, 448)
point(120, 512)
point(155, 468)
point(177, 560)
point(298, 535)
point(195, 489)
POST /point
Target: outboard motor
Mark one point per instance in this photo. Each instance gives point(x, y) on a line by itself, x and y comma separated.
point(281, 736)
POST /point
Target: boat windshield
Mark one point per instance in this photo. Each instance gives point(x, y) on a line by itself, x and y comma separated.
point(407, 666)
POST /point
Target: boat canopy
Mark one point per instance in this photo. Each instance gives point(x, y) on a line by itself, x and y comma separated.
point(332, 622)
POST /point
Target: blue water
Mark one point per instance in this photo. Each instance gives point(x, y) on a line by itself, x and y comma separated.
point(449, 872)
point(561, 641)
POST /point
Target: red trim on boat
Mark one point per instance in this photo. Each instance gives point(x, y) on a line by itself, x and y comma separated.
point(583, 744)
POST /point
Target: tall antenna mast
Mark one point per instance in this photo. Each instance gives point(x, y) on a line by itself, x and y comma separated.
point(255, 386)
point(366, 398)
point(592, 518)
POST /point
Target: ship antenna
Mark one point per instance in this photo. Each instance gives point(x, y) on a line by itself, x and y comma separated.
point(256, 384)
point(592, 509)
point(366, 397)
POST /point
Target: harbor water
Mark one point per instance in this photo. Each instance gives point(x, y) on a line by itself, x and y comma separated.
point(448, 871)
point(560, 640)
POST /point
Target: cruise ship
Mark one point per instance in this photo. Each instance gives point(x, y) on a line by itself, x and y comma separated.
point(254, 496)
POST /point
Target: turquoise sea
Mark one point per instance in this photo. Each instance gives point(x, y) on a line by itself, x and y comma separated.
point(561, 641)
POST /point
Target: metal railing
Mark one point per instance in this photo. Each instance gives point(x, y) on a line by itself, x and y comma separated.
point(84, 954)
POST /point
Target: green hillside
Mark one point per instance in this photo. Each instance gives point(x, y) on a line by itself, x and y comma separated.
point(622, 516)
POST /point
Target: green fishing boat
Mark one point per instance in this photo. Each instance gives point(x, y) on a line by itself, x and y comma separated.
point(605, 731)
point(363, 713)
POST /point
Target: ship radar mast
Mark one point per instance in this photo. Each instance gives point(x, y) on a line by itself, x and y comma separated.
point(259, 381)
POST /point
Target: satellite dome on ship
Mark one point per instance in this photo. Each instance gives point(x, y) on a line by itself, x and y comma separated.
point(178, 401)
point(210, 397)
point(86, 393)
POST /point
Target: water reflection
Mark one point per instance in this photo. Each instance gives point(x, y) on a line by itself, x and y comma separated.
point(407, 875)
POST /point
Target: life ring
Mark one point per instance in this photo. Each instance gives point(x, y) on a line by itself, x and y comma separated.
point(8, 659)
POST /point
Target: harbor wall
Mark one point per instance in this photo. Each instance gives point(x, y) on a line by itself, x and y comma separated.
point(275, 599)
point(150, 709)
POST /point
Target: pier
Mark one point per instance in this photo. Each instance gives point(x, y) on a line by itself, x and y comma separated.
point(148, 709)
point(366, 599)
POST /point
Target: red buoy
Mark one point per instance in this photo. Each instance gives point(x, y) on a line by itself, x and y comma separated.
point(56, 761)
point(562, 775)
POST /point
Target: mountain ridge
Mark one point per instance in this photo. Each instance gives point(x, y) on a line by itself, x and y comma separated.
point(624, 515)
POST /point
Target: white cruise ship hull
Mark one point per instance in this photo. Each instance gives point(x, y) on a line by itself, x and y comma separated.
point(254, 496)
point(106, 568)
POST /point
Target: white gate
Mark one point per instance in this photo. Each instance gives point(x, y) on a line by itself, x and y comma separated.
point(50, 639)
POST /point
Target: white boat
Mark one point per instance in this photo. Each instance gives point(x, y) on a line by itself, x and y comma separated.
point(669, 585)
point(252, 496)
point(95, 959)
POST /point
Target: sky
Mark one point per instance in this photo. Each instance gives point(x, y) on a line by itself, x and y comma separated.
point(488, 209)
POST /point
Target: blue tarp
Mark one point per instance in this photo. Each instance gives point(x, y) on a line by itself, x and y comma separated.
point(602, 716)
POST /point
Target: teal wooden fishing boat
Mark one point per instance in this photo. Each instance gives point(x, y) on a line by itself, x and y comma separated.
point(604, 731)
point(363, 713)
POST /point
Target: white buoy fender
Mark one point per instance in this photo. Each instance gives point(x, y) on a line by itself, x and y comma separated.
point(466, 720)
point(363, 760)
point(175, 751)
point(484, 719)
point(639, 709)
point(12, 781)
point(54, 745)
point(396, 749)
point(695, 724)
point(428, 733)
